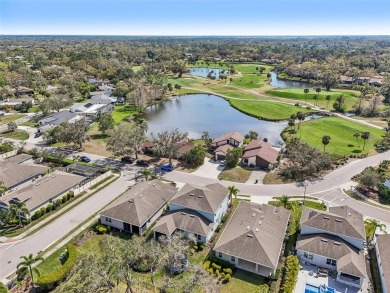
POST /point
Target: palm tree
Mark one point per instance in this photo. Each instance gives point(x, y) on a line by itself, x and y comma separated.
point(306, 91)
point(325, 140)
point(318, 90)
point(284, 200)
point(365, 136)
point(26, 266)
point(300, 117)
point(233, 191)
point(3, 188)
point(327, 98)
point(372, 226)
point(357, 135)
point(206, 137)
point(17, 209)
point(146, 173)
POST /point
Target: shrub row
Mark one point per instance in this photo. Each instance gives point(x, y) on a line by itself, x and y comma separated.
point(264, 288)
point(102, 229)
point(49, 282)
point(222, 263)
point(291, 273)
point(199, 247)
point(52, 206)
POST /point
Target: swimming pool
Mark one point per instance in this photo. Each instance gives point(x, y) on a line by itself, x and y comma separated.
point(322, 289)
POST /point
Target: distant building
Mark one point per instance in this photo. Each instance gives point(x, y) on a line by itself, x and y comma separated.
point(57, 119)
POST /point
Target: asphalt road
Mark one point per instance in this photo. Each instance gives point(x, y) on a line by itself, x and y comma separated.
point(10, 253)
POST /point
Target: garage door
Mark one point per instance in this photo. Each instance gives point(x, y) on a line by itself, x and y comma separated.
point(220, 157)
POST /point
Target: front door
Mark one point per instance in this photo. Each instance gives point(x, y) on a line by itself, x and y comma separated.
point(126, 227)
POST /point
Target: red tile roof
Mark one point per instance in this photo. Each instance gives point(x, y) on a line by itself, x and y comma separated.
point(261, 149)
point(234, 134)
point(224, 148)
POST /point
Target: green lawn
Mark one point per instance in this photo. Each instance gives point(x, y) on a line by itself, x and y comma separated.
point(121, 112)
point(298, 94)
point(17, 134)
point(9, 118)
point(250, 80)
point(51, 263)
point(243, 282)
point(272, 111)
point(236, 174)
point(341, 132)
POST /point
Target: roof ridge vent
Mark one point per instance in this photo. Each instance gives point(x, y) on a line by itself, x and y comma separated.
point(200, 196)
point(259, 222)
point(140, 195)
point(131, 200)
point(326, 217)
point(336, 243)
point(254, 214)
point(192, 216)
point(248, 227)
point(192, 194)
point(257, 229)
point(183, 213)
point(249, 235)
point(338, 220)
point(324, 240)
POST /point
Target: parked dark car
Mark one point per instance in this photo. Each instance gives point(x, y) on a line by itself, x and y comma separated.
point(167, 168)
point(142, 163)
point(85, 159)
point(128, 160)
point(37, 134)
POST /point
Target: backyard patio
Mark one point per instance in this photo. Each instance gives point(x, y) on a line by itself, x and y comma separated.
point(308, 275)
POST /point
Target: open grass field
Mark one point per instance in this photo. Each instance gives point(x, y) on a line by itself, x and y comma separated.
point(272, 111)
point(250, 80)
point(17, 134)
point(121, 112)
point(9, 118)
point(341, 132)
point(298, 94)
point(97, 144)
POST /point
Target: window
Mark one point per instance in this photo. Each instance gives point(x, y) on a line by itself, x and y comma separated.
point(307, 255)
point(108, 219)
point(233, 259)
point(330, 261)
point(199, 237)
point(220, 254)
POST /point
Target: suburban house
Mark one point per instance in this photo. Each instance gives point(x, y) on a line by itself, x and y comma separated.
point(334, 240)
point(15, 103)
point(57, 119)
point(195, 210)
point(139, 207)
point(362, 80)
point(92, 109)
point(84, 170)
point(21, 90)
point(346, 79)
point(253, 238)
point(234, 139)
point(259, 153)
point(14, 172)
point(43, 191)
point(382, 248)
point(222, 144)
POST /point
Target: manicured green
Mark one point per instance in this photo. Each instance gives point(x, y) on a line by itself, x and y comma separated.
point(250, 80)
point(243, 282)
point(341, 132)
point(272, 111)
point(9, 118)
point(17, 134)
point(121, 112)
point(298, 94)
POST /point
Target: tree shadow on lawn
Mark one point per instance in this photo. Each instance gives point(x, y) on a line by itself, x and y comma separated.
point(249, 277)
point(99, 136)
point(357, 151)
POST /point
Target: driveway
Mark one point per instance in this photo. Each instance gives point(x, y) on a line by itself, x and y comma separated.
point(256, 175)
point(209, 169)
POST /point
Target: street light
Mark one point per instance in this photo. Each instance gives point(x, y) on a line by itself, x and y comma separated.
point(304, 195)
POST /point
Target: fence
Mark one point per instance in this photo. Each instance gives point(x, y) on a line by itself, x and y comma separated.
point(92, 182)
point(8, 154)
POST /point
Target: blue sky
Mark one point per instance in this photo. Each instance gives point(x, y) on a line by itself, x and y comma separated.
point(195, 17)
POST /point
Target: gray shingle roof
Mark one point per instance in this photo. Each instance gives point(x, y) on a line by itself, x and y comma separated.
point(58, 118)
point(349, 259)
point(43, 189)
point(141, 202)
point(341, 220)
point(255, 233)
point(187, 220)
point(202, 198)
point(12, 173)
point(383, 243)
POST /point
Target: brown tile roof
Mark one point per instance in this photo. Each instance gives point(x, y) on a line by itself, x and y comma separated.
point(341, 220)
point(201, 198)
point(185, 148)
point(224, 148)
point(12, 173)
point(255, 233)
point(234, 134)
point(141, 202)
point(187, 220)
point(149, 144)
point(261, 149)
point(382, 242)
point(349, 259)
point(43, 189)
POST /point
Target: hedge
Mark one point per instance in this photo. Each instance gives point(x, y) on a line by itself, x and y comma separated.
point(49, 282)
point(3, 288)
point(291, 276)
point(221, 262)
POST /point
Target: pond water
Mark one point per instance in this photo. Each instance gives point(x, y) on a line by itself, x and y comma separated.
point(276, 82)
point(202, 112)
point(203, 72)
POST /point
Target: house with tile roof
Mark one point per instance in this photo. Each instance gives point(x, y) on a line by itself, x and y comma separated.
point(138, 208)
point(334, 240)
point(223, 143)
point(196, 210)
point(253, 238)
point(259, 153)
